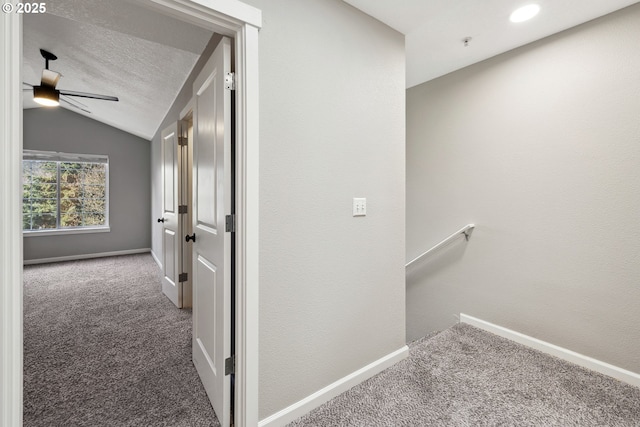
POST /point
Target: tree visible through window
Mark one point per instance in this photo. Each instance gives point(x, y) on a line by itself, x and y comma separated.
point(64, 194)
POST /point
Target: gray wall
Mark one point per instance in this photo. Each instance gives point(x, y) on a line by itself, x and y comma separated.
point(172, 116)
point(129, 187)
point(541, 148)
point(332, 127)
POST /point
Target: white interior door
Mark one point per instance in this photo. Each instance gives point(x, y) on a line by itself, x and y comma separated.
point(170, 220)
point(212, 257)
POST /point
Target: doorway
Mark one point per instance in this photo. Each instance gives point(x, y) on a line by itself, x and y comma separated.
point(234, 19)
point(177, 209)
point(185, 127)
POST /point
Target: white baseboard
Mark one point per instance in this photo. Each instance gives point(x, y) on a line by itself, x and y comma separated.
point(305, 405)
point(85, 256)
point(554, 350)
point(156, 259)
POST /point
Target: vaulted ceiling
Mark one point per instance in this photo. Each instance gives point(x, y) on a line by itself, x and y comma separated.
point(115, 47)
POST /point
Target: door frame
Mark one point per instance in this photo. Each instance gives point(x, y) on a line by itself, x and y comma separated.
point(186, 187)
point(232, 18)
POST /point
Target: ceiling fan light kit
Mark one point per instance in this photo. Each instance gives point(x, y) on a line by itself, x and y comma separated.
point(47, 96)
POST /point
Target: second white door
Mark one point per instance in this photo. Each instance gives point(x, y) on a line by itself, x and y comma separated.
point(171, 229)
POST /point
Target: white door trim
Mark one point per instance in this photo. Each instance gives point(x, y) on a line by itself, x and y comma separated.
point(10, 227)
point(227, 17)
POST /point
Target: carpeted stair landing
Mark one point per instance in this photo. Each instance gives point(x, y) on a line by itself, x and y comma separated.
point(464, 376)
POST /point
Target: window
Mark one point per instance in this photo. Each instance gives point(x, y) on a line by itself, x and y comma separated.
point(64, 193)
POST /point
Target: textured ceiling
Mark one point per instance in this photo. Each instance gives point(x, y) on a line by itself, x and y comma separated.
point(118, 48)
point(435, 29)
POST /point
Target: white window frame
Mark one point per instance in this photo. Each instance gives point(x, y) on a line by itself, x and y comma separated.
point(54, 156)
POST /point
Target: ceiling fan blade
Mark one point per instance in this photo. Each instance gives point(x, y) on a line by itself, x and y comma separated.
point(50, 78)
point(73, 104)
point(89, 95)
point(73, 101)
point(28, 84)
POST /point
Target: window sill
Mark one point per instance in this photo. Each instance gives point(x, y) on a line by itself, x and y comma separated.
point(58, 232)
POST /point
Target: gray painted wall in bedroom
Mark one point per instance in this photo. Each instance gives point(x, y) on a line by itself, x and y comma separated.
point(129, 181)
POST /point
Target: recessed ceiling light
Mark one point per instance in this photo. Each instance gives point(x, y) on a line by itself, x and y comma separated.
point(524, 13)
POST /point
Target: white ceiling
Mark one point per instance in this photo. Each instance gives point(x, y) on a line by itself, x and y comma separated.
point(118, 48)
point(435, 29)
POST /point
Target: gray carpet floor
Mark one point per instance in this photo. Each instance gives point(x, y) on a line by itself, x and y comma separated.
point(464, 376)
point(104, 347)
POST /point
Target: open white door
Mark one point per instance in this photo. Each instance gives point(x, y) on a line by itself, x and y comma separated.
point(171, 230)
point(212, 250)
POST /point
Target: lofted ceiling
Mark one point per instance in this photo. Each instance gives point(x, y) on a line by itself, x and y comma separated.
point(435, 29)
point(115, 47)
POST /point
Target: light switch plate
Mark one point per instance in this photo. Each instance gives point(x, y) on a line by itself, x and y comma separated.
point(359, 206)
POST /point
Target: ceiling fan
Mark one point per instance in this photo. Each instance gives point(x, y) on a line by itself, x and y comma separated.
point(46, 93)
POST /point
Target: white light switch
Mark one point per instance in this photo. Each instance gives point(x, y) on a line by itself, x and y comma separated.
point(359, 206)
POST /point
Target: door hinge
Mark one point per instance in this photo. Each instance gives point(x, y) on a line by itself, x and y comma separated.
point(230, 81)
point(182, 140)
point(183, 277)
point(230, 365)
point(182, 209)
point(230, 223)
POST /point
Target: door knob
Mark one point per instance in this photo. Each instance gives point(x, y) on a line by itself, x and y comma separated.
point(161, 219)
point(192, 237)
